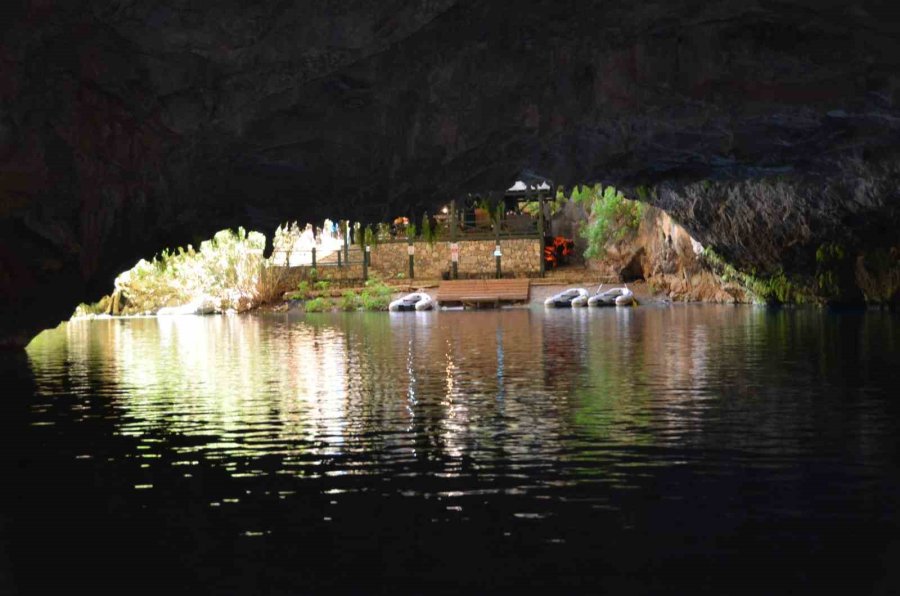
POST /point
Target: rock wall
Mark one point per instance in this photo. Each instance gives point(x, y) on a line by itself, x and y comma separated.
point(664, 254)
point(833, 237)
point(128, 127)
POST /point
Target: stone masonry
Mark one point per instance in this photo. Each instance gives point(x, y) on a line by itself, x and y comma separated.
point(520, 257)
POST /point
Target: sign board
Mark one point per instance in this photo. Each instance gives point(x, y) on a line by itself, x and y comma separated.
point(368, 248)
point(497, 251)
point(411, 249)
point(454, 252)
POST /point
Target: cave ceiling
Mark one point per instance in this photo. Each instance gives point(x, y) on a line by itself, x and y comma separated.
point(129, 126)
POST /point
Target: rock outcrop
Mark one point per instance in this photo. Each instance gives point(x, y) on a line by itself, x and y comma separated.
point(664, 254)
point(834, 236)
point(127, 127)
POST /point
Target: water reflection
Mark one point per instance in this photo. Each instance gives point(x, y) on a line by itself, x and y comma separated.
point(609, 441)
point(523, 383)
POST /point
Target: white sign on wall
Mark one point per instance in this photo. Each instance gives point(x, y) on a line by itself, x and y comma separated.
point(411, 249)
point(454, 252)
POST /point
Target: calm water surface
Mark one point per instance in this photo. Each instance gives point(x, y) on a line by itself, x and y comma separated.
point(659, 449)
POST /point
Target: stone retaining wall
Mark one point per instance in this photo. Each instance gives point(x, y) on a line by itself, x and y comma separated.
point(520, 257)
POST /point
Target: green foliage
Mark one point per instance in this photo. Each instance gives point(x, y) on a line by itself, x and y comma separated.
point(552, 206)
point(494, 210)
point(371, 238)
point(229, 268)
point(382, 232)
point(828, 258)
point(583, 195)
point(318, 305)
point(411, 231)
point(86, 310)
point(322, 286)
point(302, 292)
point(429, 234)
point(878, 274)
point(775, 288)
point(830, 264)
point(645, 193)
point(829, 252)
point(373, 302)
point(612, 217)
point(376, 295)
point(778, 289)
point(349, 301)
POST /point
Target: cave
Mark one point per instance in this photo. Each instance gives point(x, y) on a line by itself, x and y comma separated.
point(640, 445)
point(633, 269)
point(765, 128)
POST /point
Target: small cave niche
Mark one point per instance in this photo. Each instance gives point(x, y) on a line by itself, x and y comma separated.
point(634, 269)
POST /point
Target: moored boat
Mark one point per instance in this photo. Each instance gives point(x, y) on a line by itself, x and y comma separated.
point(622, 296)
point(410, 302)
point(565, 298)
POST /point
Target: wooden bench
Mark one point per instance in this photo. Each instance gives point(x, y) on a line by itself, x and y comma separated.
point(483, 291)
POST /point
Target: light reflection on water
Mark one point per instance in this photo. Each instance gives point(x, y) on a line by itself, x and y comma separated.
point(630, 420)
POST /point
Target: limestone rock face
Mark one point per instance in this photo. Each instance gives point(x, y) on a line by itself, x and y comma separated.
point(664, 254)
point(126, 127)
point(836, 233)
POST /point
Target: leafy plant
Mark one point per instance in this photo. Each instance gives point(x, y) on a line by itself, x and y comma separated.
point(322, 286)
point(774, 288)
point(373, 302)
point(612, 217)
point(302, 292)
point(494, 210)
point(349, 301)
point(318, 305)
point(228, 269)
point(428, 231)
point(382, 232)
point(376, 295)
point(831, 263)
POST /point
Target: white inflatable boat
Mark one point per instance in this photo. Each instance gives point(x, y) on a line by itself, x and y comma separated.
point(414, 301)
point(565, 298)
point(612, 297)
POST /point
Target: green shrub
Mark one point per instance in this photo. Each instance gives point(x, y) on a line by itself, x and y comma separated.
point(428, 232)
point(318, 305)
point(775, 288)
point(374, 301)
point(349, 301)
point(322, 286)
point(370, 236)
point(229, 267)
point(302, 291)
point(376, 295)
point(829, 262)
point(612, 217)
point(382, 232)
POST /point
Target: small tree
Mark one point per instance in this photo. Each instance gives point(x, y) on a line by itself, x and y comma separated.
point(612, 217)
point(428, 234)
